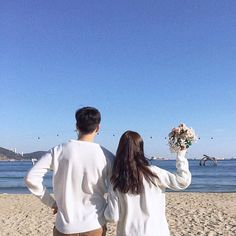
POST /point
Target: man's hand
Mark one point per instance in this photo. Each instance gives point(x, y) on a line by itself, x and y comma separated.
point(55, 208)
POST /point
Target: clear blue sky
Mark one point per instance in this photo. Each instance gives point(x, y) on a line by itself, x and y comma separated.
point(146, 65)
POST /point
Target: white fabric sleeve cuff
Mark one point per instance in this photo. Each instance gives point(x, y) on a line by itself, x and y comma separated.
point(47, 199)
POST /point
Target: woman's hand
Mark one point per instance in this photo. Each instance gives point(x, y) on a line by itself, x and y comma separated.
point(183, 148)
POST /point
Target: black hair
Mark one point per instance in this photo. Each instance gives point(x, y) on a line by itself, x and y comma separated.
point(87, 119)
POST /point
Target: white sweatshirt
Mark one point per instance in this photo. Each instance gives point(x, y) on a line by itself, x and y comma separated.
point(144, 214)
point(80, 172)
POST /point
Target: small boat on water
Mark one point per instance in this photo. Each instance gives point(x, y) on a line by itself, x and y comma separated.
point(34, 160)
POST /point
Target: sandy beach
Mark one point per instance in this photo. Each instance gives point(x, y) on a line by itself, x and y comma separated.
point(187, 213)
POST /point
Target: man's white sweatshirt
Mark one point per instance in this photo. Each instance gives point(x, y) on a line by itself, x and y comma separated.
point(80, 172)
point(144, 214)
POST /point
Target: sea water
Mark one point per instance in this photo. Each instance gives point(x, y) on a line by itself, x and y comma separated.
point(209, 178)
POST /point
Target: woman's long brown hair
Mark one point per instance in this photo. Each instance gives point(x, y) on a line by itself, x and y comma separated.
point(130, 165)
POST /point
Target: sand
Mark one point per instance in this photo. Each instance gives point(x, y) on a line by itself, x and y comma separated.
point(187, 214)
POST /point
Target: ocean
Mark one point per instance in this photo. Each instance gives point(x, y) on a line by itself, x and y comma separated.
point(209, 178)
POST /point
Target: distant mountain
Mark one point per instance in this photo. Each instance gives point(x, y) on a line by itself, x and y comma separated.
point(35, 155)
point(6, 155)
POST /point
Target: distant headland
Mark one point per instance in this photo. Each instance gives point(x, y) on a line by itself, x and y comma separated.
point(8, 155)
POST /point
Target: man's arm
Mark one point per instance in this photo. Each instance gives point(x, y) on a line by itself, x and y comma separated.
point(34, 179)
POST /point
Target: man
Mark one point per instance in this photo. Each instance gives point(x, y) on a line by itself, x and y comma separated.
point(81, 169)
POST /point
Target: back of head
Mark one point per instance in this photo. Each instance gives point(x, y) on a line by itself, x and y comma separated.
point(130, 165)
point(87, 119)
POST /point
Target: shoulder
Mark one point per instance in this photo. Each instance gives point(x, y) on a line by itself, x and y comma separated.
point(108, 155)
point(56, 149)
point(63, 147)
point(107, 152)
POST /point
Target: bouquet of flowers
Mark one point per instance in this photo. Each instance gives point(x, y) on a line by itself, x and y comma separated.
point(181, 138)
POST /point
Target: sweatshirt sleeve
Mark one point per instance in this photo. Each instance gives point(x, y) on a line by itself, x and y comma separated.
point(181, 179)
point(34, 179)
point(111, 212)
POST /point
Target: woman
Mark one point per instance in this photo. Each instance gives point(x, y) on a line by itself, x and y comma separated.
point(136, 197)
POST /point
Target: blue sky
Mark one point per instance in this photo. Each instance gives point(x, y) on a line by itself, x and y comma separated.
point(146, 65)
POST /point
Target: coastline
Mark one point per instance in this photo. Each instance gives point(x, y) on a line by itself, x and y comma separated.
point(150, 159)
point(187, 214)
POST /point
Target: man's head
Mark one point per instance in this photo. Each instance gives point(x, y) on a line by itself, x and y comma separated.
point(87, 120)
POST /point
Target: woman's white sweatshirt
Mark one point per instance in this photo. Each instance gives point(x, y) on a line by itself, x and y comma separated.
point(144, 214)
